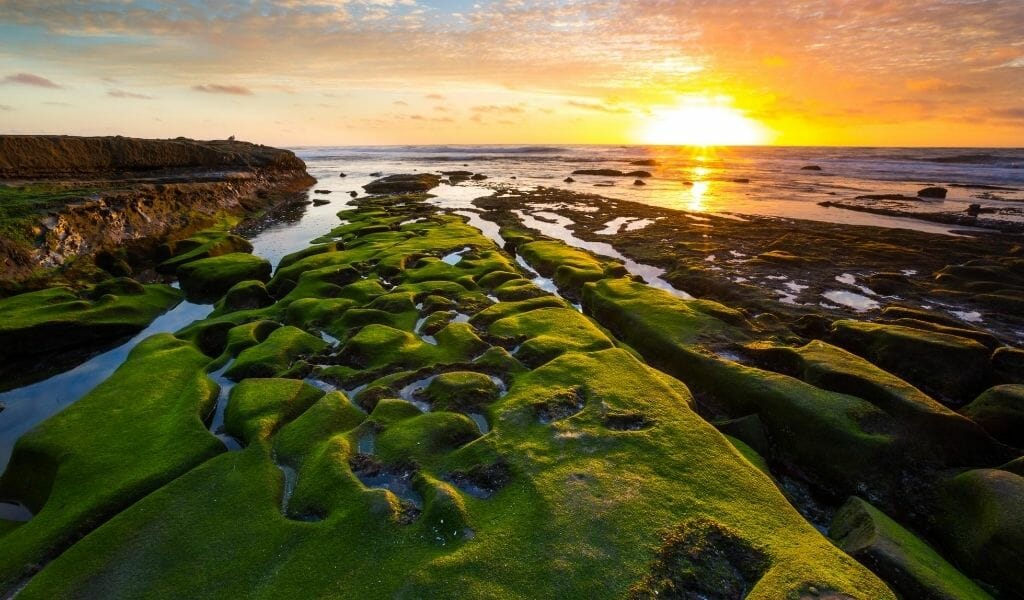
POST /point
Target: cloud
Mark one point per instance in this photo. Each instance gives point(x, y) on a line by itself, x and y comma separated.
point(497, 109)
point(434, 97)
point(596, 106)
point(400, 103)
point(126, 94)
point(936, 85)
point(1013, 114)
point(30, 79)
point(6, 107)
point(217, 88)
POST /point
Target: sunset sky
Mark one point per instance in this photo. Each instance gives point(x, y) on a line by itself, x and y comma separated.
point(319, 72)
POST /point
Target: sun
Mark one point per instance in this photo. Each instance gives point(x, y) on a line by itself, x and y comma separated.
point(704, 121)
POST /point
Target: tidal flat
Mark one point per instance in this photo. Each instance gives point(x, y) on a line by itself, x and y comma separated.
point(459, 386)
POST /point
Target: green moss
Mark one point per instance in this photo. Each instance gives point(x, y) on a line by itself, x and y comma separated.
point(259, 407)
point(205, 244)
point(21, 206)
point(333, 502)
point(135, 432)
point(462, 391)
point(981, 523)
point(1000, 411)
point(212, 277)
point(899, 557)
point(947, 366)
point(61, 320)
point(275, 354)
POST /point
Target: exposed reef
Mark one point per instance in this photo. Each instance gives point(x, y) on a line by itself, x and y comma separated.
point(619, 401)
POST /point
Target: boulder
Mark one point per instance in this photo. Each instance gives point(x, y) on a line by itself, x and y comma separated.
point(932, 192)
point(403, 183)
point(911, 567)
point(1000, 412)
point(810, 168)
point(639, 182)
point(212, 277)
point(980, 521)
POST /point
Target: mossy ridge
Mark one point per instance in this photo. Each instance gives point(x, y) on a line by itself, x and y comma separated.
point(208, 243)
point(210, 278)
point(898, 556)
point(62, 320)
point(136, 431)
point(949, 367)
point(868, 448)
point(579, 486)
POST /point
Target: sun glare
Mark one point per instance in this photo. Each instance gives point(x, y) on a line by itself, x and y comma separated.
point(704, 122)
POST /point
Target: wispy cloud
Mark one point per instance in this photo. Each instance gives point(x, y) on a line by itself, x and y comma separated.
point(217, 88)
point(126, 94)
point(30, 79)
point(597, 106)
point(5, 107)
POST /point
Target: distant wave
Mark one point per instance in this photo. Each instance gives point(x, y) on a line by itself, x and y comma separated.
point(977, 159)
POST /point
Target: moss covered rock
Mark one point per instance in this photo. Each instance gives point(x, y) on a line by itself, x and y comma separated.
point(951, 367)
point(136, 431)
point(61, 320)
point(981, 523)
point(1000, 411)
point(212, 277)
point(904, 561)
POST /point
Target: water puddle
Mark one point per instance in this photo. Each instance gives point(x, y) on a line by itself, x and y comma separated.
point(367, 443)
point(852, 300)
point(972, 316)
point(488, 228)
point(30, 405)
point(612, 227)
point(454, 258)
point(558, 229)
point(481, 422)
point(411, 392)
point(217, 422)
point(14, 511)
point(639, 224)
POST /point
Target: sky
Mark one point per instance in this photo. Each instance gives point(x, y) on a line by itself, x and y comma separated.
point(333, 72)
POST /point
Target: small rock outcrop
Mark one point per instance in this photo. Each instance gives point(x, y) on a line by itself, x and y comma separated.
point(404, 183)
point(932, 192)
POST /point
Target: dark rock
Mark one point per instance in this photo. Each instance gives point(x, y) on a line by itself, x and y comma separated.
point(638, 174)
point(321, 191)
point(353, 194)
point(320, 202)
point(810, 168)
point(741, 180)
point(403, 183)
point(342, 175)
point(1000, 412)
point(886, 197)
point(932, 192)
point(910, 566)
point(647, 162)
point(376, 174)
point(974, 210)
point(478, 177)
point(599, 172)
point(639, 182)
point(568, 180)
point(981, 525)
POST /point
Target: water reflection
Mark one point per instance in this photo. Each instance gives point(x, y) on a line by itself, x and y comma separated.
point(698, 189)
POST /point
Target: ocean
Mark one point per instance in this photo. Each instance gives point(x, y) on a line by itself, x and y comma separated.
point(767, 181)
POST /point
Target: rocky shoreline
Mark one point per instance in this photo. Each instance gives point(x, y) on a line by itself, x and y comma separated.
point(68, 198)
point(614, 396)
